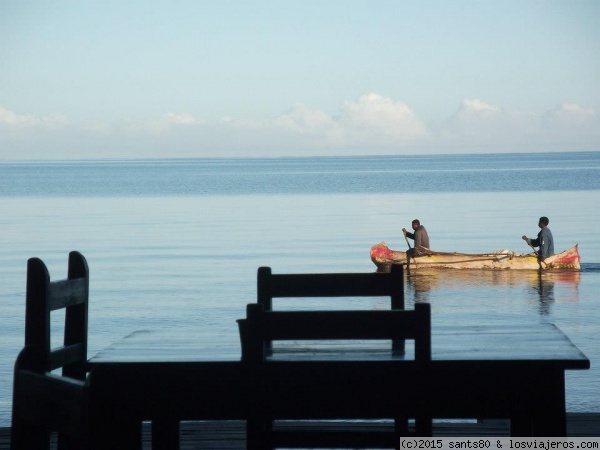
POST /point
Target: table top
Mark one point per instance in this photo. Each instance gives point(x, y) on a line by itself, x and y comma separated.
point(534, 343)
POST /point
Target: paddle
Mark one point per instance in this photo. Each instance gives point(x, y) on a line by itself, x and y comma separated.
point(407, 242)
point(409, 247)
point(536, 254)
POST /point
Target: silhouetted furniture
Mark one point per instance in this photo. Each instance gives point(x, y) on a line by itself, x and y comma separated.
point(318, 396)
point(301, 285)
point(165, 376)
point(43, 401)
point(183, 373)
point(368, 284)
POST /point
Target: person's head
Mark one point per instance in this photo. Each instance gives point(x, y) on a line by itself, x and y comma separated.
point(416, 224)
point(544, 221)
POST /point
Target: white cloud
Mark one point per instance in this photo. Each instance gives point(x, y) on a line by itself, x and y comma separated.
point(308, 127)
point(55, 122)
point(481, 121)
point(180, 119)
point(303, 120)
point(97, 127)
point(372, 121)
point(480, 126)
point(475, 107)
point(380, 120)
point(374, 110)
point(371, 124)
point(162, 124)
point(570, 125)
point(570, 113)
point(10, 118)
point(14, 120)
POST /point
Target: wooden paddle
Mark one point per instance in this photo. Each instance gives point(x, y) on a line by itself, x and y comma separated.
point(407, 242)
point(409, 247)
point(536, 254)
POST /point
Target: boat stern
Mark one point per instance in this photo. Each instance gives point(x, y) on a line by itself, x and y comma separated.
point(568, 259)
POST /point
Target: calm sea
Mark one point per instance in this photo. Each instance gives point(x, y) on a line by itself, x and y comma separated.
point(178, 242)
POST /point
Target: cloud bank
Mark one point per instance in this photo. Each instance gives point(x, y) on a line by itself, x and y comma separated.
point(371, 124)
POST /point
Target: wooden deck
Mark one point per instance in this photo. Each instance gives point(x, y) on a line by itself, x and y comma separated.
point(231, 435)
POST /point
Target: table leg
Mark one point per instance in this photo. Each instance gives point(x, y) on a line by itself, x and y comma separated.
point(539, 407)
point(165, 434)
point(116, 435)
point(110, 425)
point(520, 424)
point(259, 434)
point(550, 418)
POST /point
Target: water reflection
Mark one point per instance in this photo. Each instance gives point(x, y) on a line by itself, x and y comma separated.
point(545, 288)
point(545, 291)
point(421, 284)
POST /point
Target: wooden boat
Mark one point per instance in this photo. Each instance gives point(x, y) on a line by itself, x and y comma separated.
point(382, 256)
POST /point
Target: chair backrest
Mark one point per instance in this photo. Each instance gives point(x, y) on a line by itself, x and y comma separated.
point(261, 327)
point(44, 296)
point(43, 401)
point(271, 285)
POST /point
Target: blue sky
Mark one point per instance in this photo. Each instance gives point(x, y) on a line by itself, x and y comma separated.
point(149, 79)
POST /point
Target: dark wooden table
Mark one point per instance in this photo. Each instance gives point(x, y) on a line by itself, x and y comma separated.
point(166, 376)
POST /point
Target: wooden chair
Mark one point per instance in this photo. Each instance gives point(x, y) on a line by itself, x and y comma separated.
point(370, 284)
point(306, 285)
point(42, 401)
point(262, 327)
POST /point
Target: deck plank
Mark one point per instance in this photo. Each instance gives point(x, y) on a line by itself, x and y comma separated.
point(231, 435)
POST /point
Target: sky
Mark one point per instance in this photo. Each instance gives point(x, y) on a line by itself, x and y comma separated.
point(82, 79)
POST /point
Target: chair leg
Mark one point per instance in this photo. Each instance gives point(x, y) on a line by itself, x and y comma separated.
point(165, 434)
point(401, 426)
point(25, 436)
point(68, 443)
point(424, 426)
point(259, 434)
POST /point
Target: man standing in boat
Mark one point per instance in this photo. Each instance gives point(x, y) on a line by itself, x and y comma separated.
point(544, 240)
point(420, 237)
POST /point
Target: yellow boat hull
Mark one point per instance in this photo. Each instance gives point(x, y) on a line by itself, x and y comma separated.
point(382, 256)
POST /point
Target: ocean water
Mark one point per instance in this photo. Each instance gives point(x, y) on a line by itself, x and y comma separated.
point(178, 242)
